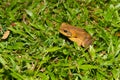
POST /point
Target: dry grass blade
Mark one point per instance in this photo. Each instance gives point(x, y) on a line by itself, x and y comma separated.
point(6, 34)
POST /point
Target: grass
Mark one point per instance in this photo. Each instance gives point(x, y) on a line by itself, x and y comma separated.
point(35, 50)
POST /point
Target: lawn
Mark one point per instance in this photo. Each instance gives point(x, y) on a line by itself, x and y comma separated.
point(35, 50)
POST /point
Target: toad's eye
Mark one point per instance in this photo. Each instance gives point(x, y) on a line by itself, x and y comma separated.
point(68, 33)
point(65, 31)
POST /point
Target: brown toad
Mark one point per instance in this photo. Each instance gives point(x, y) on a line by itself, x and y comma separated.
point(75, 34)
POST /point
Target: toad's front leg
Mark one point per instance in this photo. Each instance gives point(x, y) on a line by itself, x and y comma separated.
point(77, 40)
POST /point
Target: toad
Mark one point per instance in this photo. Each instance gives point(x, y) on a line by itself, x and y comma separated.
point(75, 34)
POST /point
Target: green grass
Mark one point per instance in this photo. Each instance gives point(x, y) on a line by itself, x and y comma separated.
point(35, 50)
